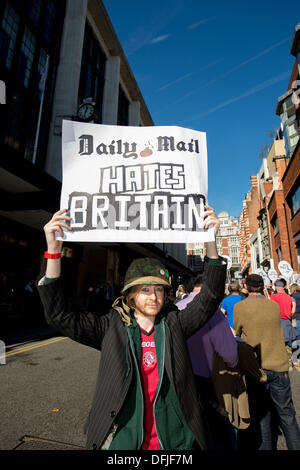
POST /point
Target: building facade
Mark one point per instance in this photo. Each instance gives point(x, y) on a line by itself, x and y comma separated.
point(227, 244)
point(54, 55)
point(248, 225)
point(274, 198)
point(279, 215)
point(30, 32)
point(288, 108)
point(268, 180)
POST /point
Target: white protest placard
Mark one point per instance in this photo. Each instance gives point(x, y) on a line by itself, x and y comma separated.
point(263, 274)
point(296, 278)
point(134, 184)
point(285, 269)
point(272, 275)
point(229, 261)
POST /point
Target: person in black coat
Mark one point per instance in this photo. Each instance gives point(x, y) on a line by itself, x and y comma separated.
point(117, 420)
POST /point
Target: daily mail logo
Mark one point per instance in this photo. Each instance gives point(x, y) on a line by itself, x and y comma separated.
point(2, 92)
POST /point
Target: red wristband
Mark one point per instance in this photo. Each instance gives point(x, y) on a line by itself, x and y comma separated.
point(52, 255)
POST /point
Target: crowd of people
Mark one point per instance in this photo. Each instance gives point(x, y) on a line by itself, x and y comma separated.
point(271, 329)
point(203, 371)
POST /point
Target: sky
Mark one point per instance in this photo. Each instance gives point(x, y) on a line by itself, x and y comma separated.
point(216, 67)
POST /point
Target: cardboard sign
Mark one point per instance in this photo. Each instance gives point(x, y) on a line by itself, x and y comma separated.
point(296, 278)
point(272, 275)
point(263, 274)
point(285, 269)
point(134, 184)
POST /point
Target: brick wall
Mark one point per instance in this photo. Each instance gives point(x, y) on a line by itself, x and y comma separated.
point(248, 221)
point(292, 172)
point(282, 240)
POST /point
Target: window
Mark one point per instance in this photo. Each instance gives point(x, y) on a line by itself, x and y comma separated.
point(290, 126)
point(295, 198)
point(292, 131)
point(274, 224)
point(34, 10)
point(41, 66)
point(30, 129)
point(49, 21)
point(92, 71)
point(8, 34)
point(26, 57)
point(279, 255)
point(15, 121)
point(23, 52)
point(297, 246)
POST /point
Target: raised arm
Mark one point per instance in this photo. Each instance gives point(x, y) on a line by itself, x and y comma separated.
point(56, 224)
point(210, 218)
point(84, 327)
point(206, 303)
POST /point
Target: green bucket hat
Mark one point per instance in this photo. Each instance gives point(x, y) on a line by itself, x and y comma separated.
point(146, 271)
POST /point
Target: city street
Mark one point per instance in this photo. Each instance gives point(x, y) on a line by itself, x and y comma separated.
point(46, 391)
point(139, 161)
point(47, 385)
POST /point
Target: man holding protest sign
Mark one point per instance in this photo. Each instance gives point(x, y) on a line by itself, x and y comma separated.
point(145, 395)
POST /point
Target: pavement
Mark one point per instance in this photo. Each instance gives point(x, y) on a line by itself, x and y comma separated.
point(38, 443)
point(47, 387)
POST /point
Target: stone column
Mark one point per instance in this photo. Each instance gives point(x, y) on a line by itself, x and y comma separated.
point(67, 81)
point(134, 113)
point(111, 91)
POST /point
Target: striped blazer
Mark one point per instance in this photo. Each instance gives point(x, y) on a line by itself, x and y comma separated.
point(107, 333)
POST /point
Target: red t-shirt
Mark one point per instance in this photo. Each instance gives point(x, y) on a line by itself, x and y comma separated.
point(285, 303)
point(149, 375)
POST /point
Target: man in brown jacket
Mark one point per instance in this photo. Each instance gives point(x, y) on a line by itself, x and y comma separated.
point(257, 321)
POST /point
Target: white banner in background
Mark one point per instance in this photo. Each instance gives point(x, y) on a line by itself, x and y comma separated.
point(296, 278)
point(263, 274)
point(285, 269)
point(134, 184)
point(272, 275)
